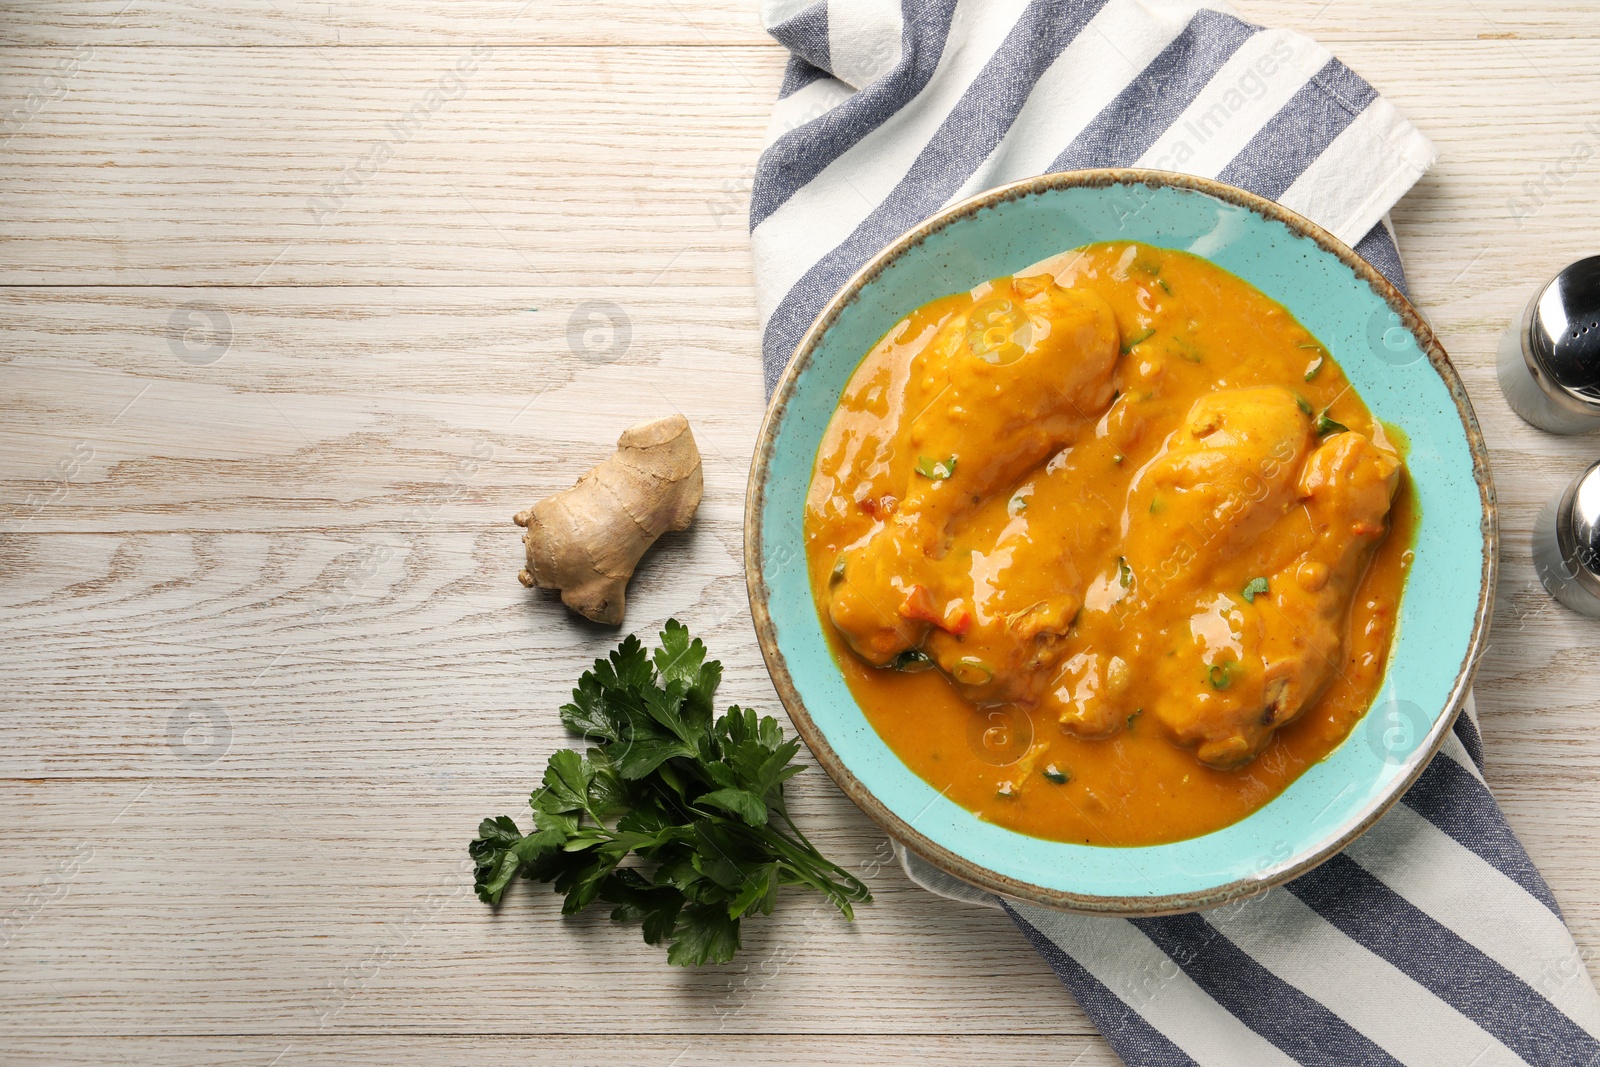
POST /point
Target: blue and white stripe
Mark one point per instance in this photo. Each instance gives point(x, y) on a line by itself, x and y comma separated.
point(1432, 941)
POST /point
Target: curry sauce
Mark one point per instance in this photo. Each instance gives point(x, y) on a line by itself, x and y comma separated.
point(1109, 554)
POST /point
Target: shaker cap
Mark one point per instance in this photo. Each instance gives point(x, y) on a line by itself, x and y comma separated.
point(1564, 330)
point(1583, 551)
point(1566, 544)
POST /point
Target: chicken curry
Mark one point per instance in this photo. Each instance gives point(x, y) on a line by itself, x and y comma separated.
point(1110, 554)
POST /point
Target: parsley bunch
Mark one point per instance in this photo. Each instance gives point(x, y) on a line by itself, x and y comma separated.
point(697, 800)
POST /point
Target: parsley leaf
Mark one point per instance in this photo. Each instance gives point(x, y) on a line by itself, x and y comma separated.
point(693, 802)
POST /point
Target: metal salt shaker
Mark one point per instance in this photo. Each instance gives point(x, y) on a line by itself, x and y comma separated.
point(1549, 365)
point(1566, 544)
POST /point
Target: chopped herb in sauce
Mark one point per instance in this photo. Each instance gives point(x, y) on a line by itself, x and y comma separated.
point(911, 661)
point(1256, 587)
point(1138, 339)
point(937, 469)
point(969, 670)
point(1326, 426)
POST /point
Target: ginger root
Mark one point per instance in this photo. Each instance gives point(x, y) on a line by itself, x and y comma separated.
point(585, 541)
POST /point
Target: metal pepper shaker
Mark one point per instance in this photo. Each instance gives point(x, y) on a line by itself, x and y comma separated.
point(1566, 544)
point(1549, 363)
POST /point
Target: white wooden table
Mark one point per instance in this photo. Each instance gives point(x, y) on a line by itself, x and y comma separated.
point(271, 394)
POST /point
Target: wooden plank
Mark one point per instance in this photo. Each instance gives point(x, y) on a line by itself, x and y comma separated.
point(344, 904)
point(596, 1050)
point(700, 23)
point(414, 409)
point(1336, 21)
point(550, 167)
point(676, 22)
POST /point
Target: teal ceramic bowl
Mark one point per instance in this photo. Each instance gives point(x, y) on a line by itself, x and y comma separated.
point(1400, 371)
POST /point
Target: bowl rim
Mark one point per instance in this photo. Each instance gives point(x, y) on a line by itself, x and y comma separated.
point(953, 863)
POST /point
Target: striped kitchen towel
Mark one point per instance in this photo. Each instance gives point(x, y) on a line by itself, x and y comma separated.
point(1430, 941)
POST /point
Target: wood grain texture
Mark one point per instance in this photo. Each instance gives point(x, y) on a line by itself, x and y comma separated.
point(689, 23)
point(331, 920)
point(560, 166)
point(240, 23)
point(702, 1050)
point(285, 341)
